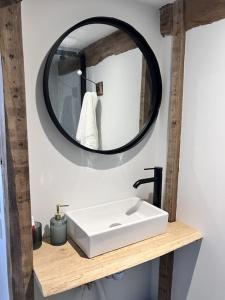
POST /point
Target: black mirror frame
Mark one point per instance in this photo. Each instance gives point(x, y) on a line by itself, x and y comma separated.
point(156, 81)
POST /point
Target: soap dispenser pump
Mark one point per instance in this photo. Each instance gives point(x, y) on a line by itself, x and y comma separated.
point(58, 227)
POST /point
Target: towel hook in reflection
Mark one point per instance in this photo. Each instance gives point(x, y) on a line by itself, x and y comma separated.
point(79, 72)
point(98, 85)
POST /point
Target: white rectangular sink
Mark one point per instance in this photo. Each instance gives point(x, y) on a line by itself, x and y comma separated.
point(103, 228)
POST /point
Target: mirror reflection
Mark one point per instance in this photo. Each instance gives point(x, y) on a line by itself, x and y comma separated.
point(100, 87)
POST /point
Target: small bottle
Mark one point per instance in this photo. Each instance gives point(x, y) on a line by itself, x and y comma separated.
point(58, 227)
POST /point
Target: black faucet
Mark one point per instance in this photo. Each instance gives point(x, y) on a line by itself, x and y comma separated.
point(157, 179)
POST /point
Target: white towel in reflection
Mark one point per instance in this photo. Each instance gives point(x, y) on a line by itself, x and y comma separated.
point(87, 131)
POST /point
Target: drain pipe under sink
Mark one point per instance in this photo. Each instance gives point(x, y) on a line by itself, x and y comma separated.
point(100, 286)
point(101, 290)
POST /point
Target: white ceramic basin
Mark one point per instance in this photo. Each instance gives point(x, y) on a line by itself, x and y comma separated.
point(113, 225)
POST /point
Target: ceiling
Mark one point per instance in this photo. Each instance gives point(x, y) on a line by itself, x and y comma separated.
point(154, 3)
point(86, 35)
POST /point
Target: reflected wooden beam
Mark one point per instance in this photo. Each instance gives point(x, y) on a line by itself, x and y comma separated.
point(145, 98)
point(14, 155)
point(113, 44)
point(197, 13)
point(173, 155)
point(68, 65)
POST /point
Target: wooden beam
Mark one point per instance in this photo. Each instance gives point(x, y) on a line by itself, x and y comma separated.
point(197, 13)
point(145, 99)
point(175, 112)
point(68, 65)
point(4, 3)
point(70, 259)
point(166, 276)
point(113, 44)
point(203, 12)
point(166, 19)
point(173, 155)
point(14, 155)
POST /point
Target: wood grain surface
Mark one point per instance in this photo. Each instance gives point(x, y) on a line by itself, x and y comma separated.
point(14, 155)
point(197, 13)
point(65, 267)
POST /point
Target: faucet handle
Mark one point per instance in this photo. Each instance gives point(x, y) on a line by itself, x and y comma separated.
point(155, 168)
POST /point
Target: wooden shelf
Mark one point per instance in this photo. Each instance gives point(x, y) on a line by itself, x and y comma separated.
point(62, 268)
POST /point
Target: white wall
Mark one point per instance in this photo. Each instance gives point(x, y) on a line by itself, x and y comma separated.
point(201, 197)
point(4, 291)
point(119, 113)
point(60, 172)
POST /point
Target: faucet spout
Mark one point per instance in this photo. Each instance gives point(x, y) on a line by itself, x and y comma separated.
point(143, 181)
point(157, 179)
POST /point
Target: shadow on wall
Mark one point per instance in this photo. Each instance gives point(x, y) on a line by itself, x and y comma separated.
point(72, 152)
point(183, 278)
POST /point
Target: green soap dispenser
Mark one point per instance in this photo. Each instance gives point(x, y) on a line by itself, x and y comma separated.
point(58, 227)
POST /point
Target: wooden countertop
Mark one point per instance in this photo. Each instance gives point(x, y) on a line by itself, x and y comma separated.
point(62, 268)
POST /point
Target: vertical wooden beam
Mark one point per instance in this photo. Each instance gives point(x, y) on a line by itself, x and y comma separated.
point(4, 3)
point(166, 276)
point(175, 111)
point(173, 156)
point(14, 155)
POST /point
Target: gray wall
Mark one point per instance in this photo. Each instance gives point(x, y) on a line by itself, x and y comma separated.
point(65, 100)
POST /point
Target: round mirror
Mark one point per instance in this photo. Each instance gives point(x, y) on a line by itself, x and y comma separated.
point(102, 85)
